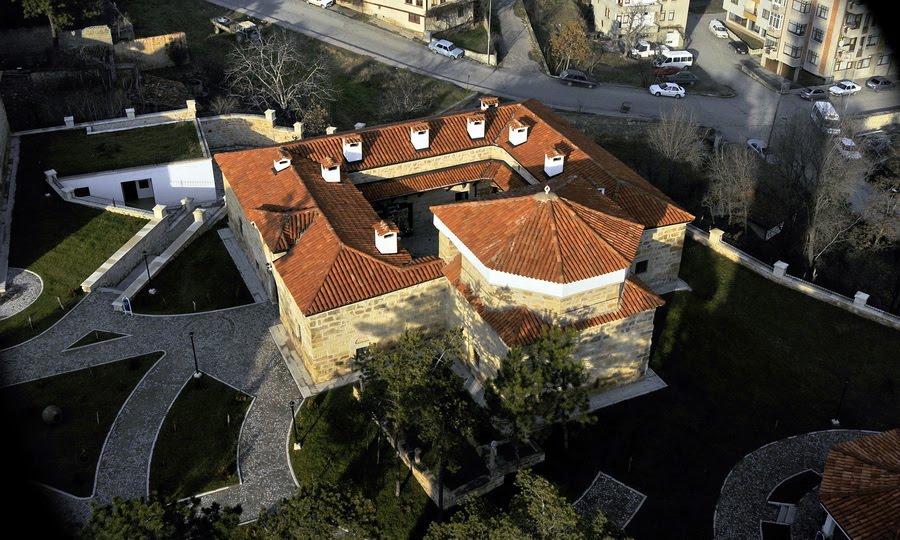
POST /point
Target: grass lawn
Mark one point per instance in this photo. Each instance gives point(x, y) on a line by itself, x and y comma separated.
point(64, 455)
point(59, 241)
point(203, 273)
point(95, 336)
point(359, 79)
point(340, 446)
point(747, 362)
point(196, 450)
point(75, 152)
point(472, 38)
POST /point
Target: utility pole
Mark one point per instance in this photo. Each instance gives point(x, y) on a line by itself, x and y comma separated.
point(488, 51)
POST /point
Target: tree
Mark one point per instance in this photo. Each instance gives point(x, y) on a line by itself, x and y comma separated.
point(275, 73)
point(634, 26)
point(537, 512)
point(676, 137)
point(408, 95)
point(60, 13)
point(160, 518)
point(541, 385)
point(317, 511)
point(732, 184)
point(569, 43)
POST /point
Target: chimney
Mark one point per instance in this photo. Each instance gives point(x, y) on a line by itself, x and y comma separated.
point(283, 163)
point(418, 134)
point(475, 125)
point(359, 125)
point(331, 171)
point(553, 163)
point(386, 237)
point(352, 148)
point(489, 101)
point(518, 132)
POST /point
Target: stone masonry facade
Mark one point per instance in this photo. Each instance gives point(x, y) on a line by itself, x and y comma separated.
point(661, 248)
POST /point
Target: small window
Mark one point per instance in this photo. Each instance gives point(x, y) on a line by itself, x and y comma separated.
point(459, 12)
point(818, 34)
point(415, 19)
point(671, 15)
point(884, 59)
point(812, 57)
point(864, 63)
point(873, 40)
point(82, 192)
point(822, 12)
point(476, 357)
point(418, 3)
point(462, 195)
point(640, 267)
point(143, 184)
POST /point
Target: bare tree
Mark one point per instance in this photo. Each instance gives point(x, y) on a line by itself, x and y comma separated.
point(408, 96)
point(634, 25)
point(569, 43)
point(275, 73)
point(882, 213)
point(732, 184)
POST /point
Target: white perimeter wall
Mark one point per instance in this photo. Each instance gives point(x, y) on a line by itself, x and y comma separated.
point(171, 182)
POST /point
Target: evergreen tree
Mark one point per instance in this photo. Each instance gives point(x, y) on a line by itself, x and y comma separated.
point(159, 518)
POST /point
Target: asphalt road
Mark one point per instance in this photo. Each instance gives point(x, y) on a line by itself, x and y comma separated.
point(749, 114)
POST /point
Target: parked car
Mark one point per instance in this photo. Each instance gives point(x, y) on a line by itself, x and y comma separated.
point(646, 49)
point(844, 88)
point(759, 147)
point(661, 72)
point(879, 83)
point(447, 48)
point(847, 148)
point(814, 94)
point(739, 47)
point(574, 76)
point(321, 3)
point(667, 89)
point(682, 77)
point(718, 29)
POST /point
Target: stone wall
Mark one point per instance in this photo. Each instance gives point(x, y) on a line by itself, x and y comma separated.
point(23, 42)
point(422, 218)
point(335, 335)
point(89, 36)
point(419, 166)
point(4, 147)
point(446, 248)
point(661, 248)
point(618, 351)
point(150, 52)
point(486, 351)
point(246, 131)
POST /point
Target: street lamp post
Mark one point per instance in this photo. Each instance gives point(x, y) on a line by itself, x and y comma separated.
point(150, 288)
point(294, 425)
point(197, 373)
point(837, 414)
point(488, 51)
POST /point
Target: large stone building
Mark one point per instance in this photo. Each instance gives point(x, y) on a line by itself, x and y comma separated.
point(501, 221)
point(419, 16)
point(664, 21)
point(829, 39)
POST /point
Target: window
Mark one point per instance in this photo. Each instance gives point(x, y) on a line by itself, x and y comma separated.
point(812, 57)
point(640, 267)
point(415, 19)
point(796, 28)
point(735, 2)
point(662, 10)
point(801, 6)
point(476, 356)
point(852, 20)
point(462, 195)
point(864, 63)
point(143, 184)
point(765, 14)
point(775, 21)
point(873, 40)
point(822, 12)
point(409, 2)
point(818, 34)
point(671, 15)
point(459, 12)
point(840, 66)
point(790, 50)
point(82, 192)
point(884, 59)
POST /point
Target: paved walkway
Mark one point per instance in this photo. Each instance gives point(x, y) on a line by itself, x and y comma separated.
point(617, 501)
point(743, 501)
point(233, 345)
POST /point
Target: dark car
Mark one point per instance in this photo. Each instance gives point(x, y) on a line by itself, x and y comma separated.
point(814, 94)
point(682, 77)
point(573, 76)
point(879, 83)
point(739, 47)
point(661, 72)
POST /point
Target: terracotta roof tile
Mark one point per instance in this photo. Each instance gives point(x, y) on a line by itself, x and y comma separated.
point(861, 486)
point(496, 171)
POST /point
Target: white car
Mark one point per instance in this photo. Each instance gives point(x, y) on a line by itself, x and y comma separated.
point(667, 89)
point(762, 150)
point(321, 3)
point(847, 148)
point(844, 88)
point(447, 48)
point(718, 29)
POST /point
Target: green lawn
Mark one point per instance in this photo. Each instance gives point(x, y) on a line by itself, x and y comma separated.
point(747, 362)
point(203, 273)
point(61, 242)
point(64, 455)
point(94, 336)
point(196, 450)
point(340, 446)
point(471, 38)
point(75, 152)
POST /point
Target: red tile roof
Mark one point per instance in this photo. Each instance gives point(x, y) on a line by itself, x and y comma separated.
point(545, 236)
point(861, 486)
point(496, 171)
point(519, 326)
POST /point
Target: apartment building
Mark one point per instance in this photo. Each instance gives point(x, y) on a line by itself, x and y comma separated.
point(658, 20)
point(419, 16)
point(828, 39)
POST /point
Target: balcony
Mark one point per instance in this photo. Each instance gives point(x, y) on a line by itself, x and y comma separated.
point(857, 8)
point(637, 2)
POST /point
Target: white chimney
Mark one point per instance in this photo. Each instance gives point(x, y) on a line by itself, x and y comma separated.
point(386, 237)
point(418, 134)
point(553, 163)
point(283, 163)
point(353, 148)
point(489, 101)
point(359, 125)
point(602, 190)
point(475, 126)
point(331, 171)
point(518, 132)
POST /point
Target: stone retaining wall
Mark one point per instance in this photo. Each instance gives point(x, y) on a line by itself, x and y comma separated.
point(150, 52)
point(89, 36)
point(246, 130)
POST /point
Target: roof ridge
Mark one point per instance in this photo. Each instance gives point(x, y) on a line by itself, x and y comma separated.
point(593, 231)
point(854, 452)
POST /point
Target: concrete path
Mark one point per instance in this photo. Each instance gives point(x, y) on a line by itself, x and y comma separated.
point(516, 43)
point(232, 345)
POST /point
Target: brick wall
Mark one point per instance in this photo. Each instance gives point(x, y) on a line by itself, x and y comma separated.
point(661, 248)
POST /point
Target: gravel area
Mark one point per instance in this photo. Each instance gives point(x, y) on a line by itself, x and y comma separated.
point(743, 501)
point(22, 288)
point(616, 500)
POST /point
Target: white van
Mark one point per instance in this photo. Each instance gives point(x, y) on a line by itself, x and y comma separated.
point(826, 117)
point(645, 49)
point(677, 59)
